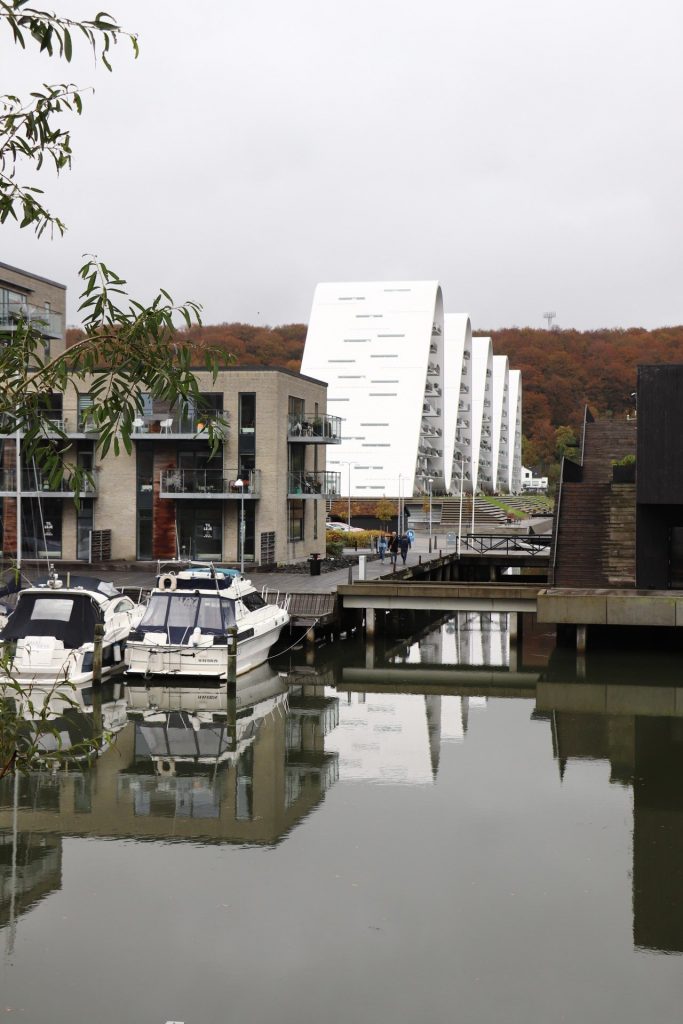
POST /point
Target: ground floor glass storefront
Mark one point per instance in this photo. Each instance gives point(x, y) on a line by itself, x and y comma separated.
point(41, 527)
point(200, 528)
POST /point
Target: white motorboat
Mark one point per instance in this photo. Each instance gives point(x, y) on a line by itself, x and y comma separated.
point(50, 635)
point(184, 631)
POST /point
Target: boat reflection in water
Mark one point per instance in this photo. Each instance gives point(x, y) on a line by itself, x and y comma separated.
point(185, 734)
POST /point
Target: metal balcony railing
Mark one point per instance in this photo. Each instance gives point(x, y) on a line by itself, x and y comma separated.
point(321, 483)
point(209, 483)
point(322, 429)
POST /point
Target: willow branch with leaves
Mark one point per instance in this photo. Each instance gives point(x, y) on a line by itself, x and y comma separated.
point(28, 129)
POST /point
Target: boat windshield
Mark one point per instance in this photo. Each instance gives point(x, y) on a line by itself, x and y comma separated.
point(180, 613)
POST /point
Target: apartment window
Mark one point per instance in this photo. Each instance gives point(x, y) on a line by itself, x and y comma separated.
point(85, 404)
point(296, 520)
point(247, 408)
point(246, 443)
point(12, 304)
point(296, 407)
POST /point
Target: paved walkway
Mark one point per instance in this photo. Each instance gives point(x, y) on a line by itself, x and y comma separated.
point(288, 582)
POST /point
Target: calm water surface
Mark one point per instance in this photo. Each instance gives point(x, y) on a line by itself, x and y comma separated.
point(439, 830)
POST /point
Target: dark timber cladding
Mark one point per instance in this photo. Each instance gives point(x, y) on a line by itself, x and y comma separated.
point(659, 486)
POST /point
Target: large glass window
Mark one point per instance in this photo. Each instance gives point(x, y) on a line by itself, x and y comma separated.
point(246, 442)
point(200, 530)
point(296, 407)
point(41, 523)
point(296, 520)
point(247, 413)
point(144, 454)
point(249, 532)
point(11, 305)
point(85, 403)
point(84, 525)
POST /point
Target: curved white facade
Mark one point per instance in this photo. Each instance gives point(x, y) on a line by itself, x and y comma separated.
point(458, 394)
point(380, 347)
point(515, 420)
point(423, 403)
point(500, 447)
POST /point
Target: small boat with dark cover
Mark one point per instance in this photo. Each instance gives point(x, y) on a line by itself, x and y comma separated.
point(50, 634)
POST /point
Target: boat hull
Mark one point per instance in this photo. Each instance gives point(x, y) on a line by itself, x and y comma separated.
point(208, 662)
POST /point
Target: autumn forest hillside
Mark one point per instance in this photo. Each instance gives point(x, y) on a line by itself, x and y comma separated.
point(562, 370)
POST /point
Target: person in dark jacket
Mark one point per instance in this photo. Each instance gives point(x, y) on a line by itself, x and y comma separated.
point(393, 548)
point(404, 544)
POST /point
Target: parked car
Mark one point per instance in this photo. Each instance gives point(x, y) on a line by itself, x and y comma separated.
point(342, 527)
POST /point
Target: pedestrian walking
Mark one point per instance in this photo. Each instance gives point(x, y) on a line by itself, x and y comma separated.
point(393, 548)
point(404, 544)
point(382, 547)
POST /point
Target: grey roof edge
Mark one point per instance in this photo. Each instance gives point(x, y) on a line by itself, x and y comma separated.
point(28, 273)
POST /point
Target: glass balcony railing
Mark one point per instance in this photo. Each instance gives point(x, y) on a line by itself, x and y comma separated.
point(209, 483)
point(36, 482)
point(325, 429)
point(174, 424)
point(47, 322)
point(322, 483)
point(430, 410)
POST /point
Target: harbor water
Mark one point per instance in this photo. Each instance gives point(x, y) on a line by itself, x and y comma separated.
point(439, 828)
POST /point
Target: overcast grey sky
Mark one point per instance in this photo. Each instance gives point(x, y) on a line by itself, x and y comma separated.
point(527, 155)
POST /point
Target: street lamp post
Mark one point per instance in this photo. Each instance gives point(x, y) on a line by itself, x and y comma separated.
point(240, 483)
point(430, 482)
point(400, 504)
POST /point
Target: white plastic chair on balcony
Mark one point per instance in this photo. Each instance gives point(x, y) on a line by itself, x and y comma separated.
point(166, 425)
point(138, 425)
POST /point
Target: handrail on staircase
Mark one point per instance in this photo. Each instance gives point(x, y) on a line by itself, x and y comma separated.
point(556, 527)
point(568, 469)
point(587, 418)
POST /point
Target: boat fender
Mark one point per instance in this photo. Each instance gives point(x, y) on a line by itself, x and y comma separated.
point(167, 582)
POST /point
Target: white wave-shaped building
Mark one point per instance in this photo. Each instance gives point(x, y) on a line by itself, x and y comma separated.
point(425, 406)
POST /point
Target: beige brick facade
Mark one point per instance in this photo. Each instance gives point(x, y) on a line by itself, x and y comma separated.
point(124, 491)
point(41, 298)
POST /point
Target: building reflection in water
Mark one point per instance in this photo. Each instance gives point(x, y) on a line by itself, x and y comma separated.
point(250, 770)
point(637, 727)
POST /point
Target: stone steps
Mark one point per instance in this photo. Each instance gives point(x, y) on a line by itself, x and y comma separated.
point(592, 545)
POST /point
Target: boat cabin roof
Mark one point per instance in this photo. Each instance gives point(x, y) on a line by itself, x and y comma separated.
point(67, 615)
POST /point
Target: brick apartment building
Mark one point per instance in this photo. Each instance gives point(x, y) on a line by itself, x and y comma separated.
point(170, 497)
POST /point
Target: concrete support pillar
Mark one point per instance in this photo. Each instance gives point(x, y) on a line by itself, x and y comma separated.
point(310, 646)
point(370, 622)
point(513, 628)
point(370, 654)
point(581, 638)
